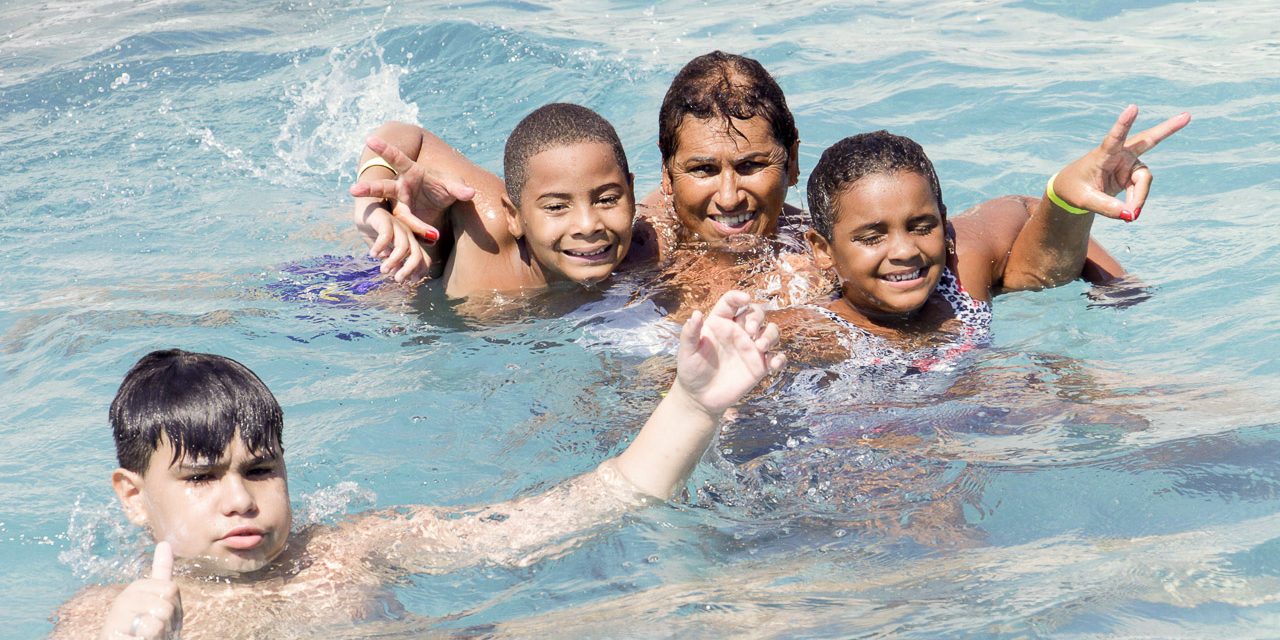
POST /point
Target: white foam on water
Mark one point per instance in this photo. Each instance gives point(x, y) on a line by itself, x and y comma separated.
point(329, 117)
point(325, 504)
point(102, 546)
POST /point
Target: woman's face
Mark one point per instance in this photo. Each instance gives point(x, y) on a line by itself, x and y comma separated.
point(729, 180)
point(888, 243)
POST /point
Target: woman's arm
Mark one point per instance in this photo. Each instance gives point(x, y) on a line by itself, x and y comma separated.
point(431, 191)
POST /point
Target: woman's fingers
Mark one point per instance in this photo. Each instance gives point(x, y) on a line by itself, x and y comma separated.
point(415, 265)
point(419, 228)
point(1135, 195)
point(1146, 140)
point(381, 247)
point(400, 250)
point(1114, 142)
point(389, 152)
point(381, 188)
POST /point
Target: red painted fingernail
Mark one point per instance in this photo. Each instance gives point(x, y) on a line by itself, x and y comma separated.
point(1137, 212)
point(431, 235)
point(1127, 216)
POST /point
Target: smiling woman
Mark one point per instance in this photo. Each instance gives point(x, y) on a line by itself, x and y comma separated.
point(729, 149)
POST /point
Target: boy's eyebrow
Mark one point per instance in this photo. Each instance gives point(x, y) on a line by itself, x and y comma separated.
point(569, 196)
point(563, 196)
point(187, 464)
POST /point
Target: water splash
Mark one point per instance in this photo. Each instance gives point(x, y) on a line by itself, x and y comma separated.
point(102, 545)
point(325, 504)
point(329, 117)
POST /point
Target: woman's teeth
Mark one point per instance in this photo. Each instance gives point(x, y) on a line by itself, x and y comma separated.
point(733, 221)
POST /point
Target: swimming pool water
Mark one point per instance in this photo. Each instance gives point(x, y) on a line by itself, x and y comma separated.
point(1101, 470)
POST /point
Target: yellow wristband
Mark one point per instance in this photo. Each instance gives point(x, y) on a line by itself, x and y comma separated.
point(1062, 204)
point(375, 161)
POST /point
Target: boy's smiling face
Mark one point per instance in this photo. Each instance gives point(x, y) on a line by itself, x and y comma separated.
point(229, 515)
point(576, 210)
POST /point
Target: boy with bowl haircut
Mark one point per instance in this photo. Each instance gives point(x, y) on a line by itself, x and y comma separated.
point(198, 438)
point(566, 196)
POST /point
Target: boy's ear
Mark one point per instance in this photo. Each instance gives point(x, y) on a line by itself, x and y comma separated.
point(129, 489)
point(514, 224)
point(793, 164)
point(821, 249)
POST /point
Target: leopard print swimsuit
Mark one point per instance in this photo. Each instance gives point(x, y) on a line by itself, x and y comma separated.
point(872, 351)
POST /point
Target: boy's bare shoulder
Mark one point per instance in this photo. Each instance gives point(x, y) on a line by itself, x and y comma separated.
point(82, 616)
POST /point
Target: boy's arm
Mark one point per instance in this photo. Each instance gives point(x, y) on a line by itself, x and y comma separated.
point(1050, 248)
point(722, 356)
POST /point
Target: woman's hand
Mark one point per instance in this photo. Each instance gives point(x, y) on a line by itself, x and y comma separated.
point(422, 198)
point(1113, 166)
point(395, 246)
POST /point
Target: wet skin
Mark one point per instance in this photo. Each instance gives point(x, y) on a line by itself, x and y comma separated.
point(576, 211)
point(728, 180)
point(229, 515)
point(888, 247)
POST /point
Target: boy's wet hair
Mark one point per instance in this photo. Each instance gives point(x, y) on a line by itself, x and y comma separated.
point(856, 157)
point(724, 86)
point(558, 124)
point(198, 401)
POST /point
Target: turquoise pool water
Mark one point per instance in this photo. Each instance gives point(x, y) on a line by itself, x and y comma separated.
point(1099, 471)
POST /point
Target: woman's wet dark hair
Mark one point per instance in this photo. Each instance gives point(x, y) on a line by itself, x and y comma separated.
point(856, 157)
point(724, 85)
point(197, 401)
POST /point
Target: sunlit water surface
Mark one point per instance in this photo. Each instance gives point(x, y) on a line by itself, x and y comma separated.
point(1100, 470)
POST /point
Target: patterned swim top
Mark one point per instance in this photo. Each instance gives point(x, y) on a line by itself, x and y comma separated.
point(870, 350)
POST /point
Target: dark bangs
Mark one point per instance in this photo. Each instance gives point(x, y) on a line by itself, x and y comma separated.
point(198, 401)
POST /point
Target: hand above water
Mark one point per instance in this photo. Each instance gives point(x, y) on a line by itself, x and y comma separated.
point(422, 197)
point(1113, 166)
point(726, 352)
point(150, 608)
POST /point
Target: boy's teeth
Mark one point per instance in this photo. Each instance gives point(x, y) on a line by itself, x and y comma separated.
point(899, 277)
point(733, 221)
point(587, 253)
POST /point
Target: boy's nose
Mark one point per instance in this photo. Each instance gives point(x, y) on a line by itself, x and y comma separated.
point(235, 496)
point(587, 221)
